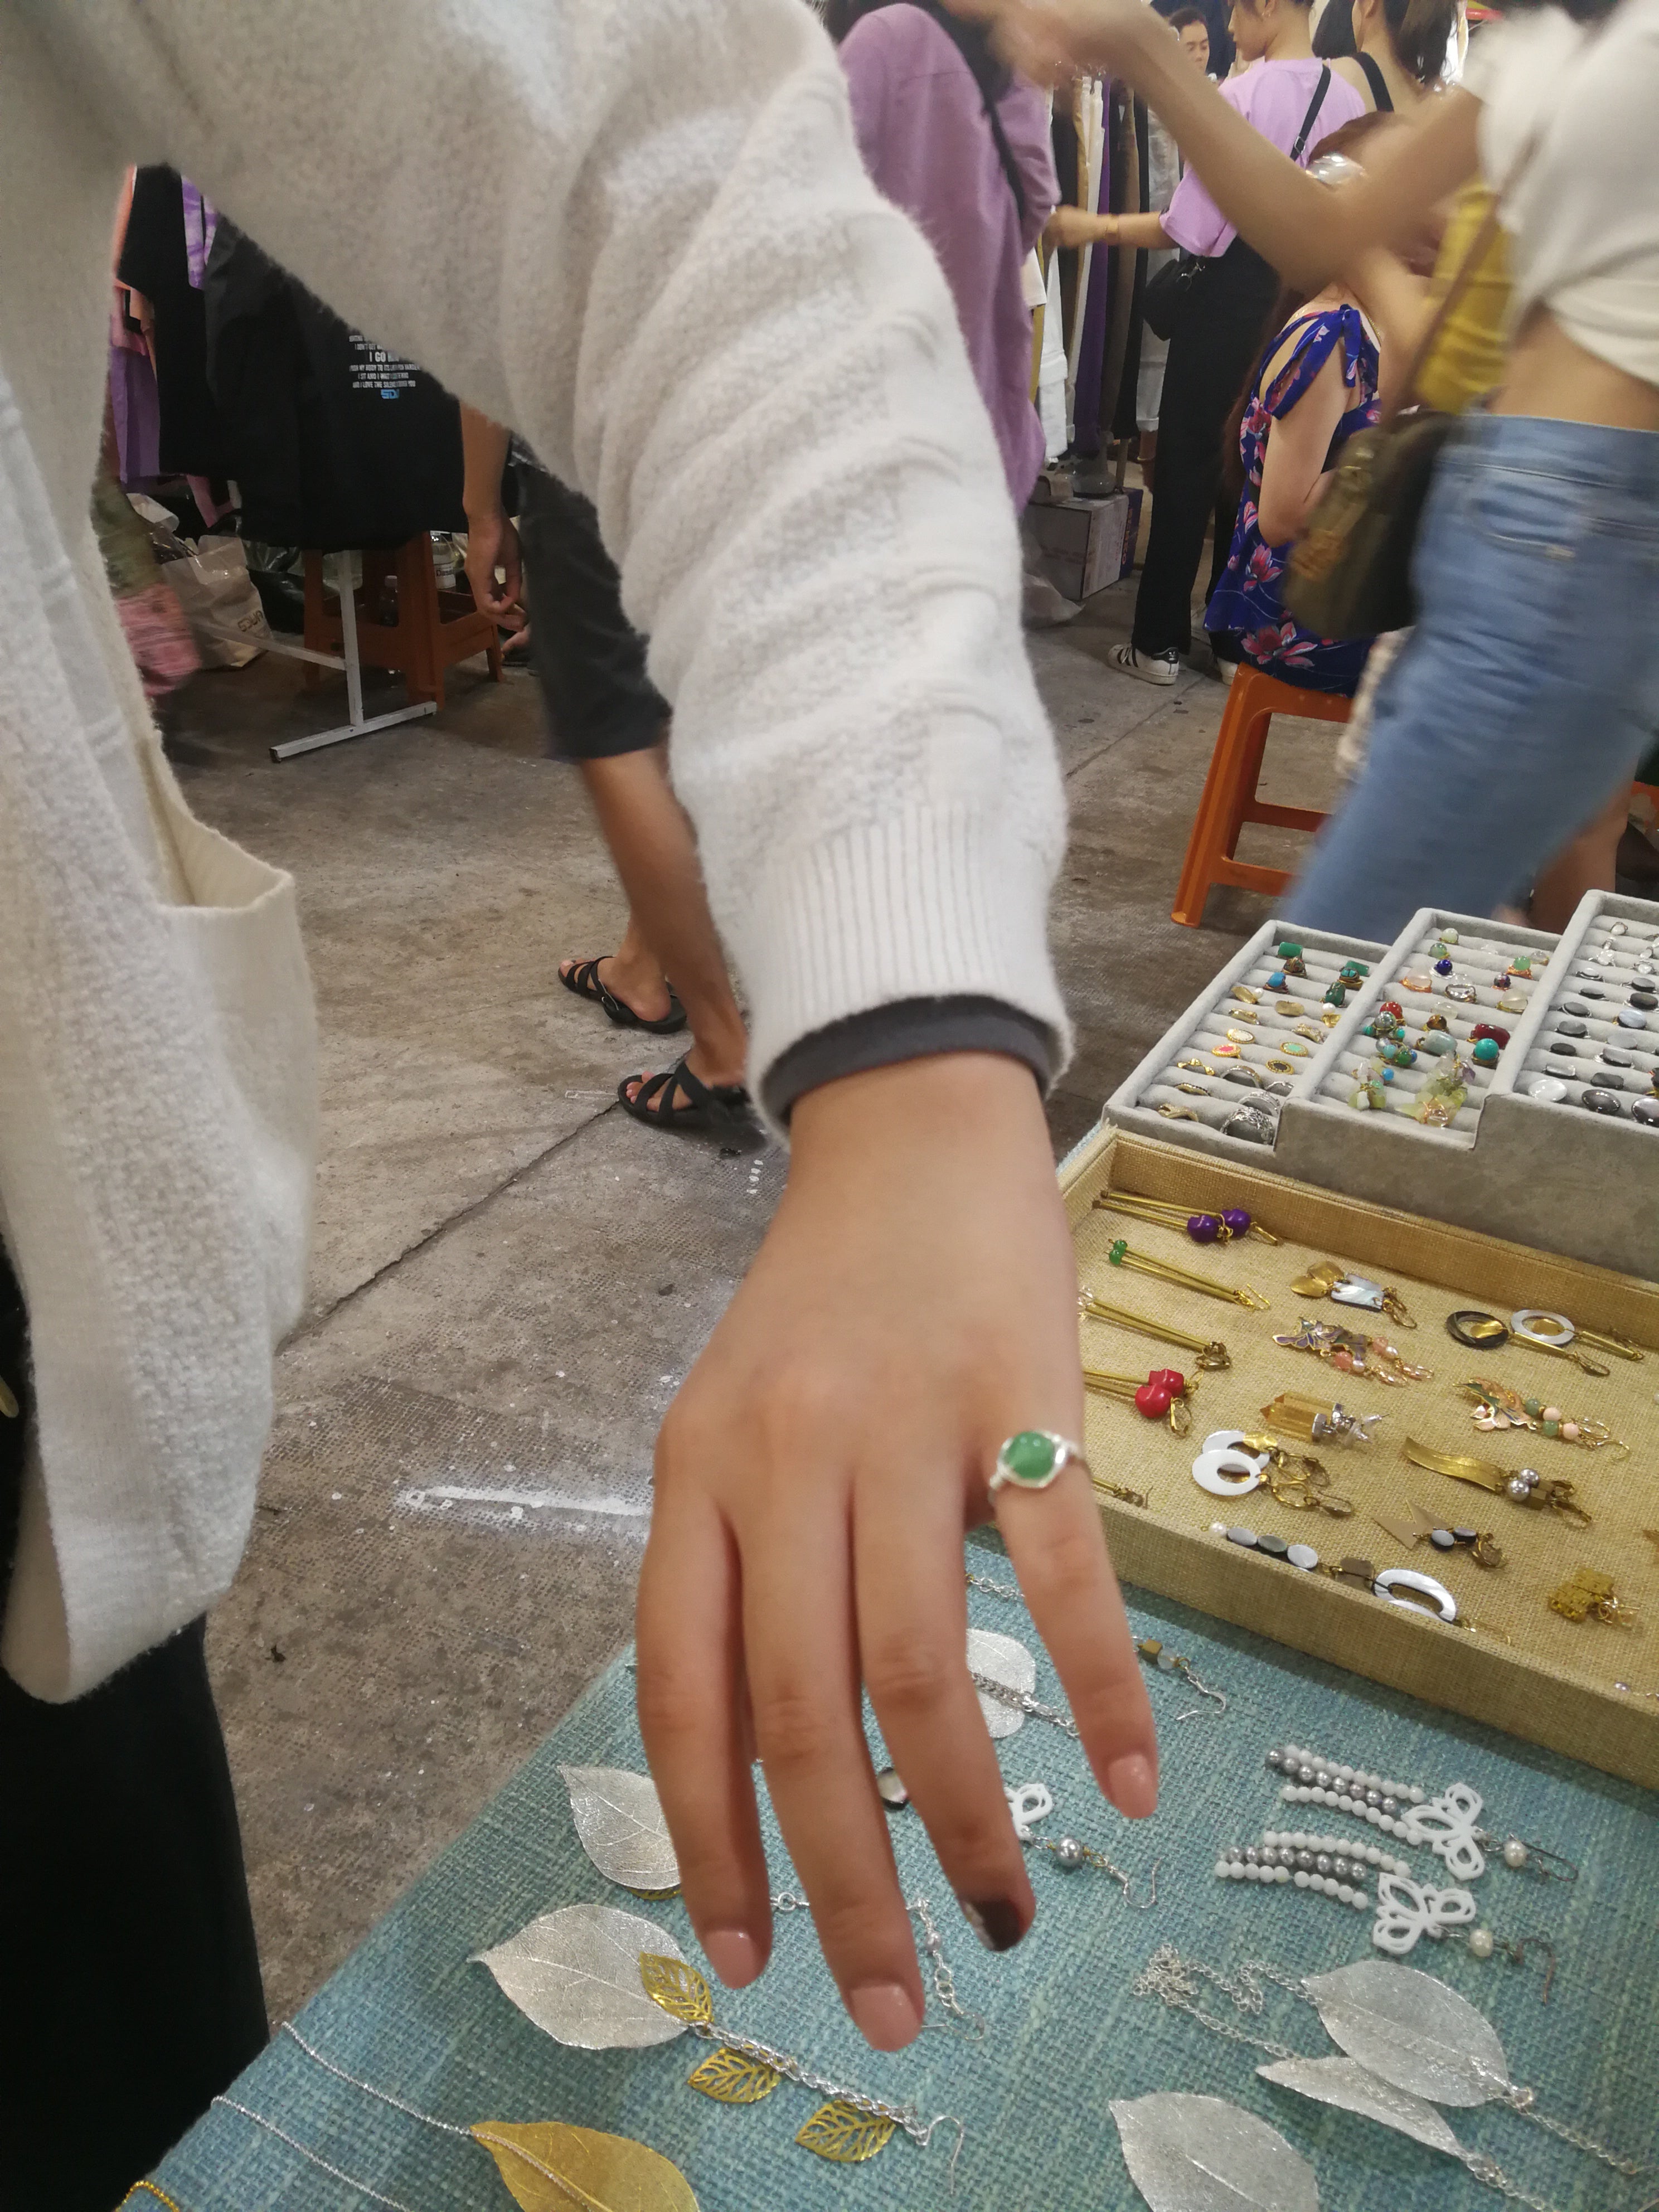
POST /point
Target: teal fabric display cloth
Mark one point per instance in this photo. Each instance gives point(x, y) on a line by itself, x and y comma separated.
point(1064, 2034)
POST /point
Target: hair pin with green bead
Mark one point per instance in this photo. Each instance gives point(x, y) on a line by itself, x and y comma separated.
point(1119, 1255)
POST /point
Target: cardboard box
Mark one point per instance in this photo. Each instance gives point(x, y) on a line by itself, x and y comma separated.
point(1086, 545)
point(1512, 1662)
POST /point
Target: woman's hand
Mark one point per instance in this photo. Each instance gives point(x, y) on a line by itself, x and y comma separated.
point(492, 543)
point(1075, 226)
point(914, 1304)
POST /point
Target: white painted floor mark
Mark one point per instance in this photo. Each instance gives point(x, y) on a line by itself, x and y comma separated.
point(554, 1501)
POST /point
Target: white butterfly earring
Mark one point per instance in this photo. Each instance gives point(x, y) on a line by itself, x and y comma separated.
point(1408, 1909)
point(1447, 1825)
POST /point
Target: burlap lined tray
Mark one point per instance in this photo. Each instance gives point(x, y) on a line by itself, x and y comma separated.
point(1524, 1668)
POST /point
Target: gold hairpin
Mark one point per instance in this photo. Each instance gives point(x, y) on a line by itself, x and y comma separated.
point(1155, 1396)
point(1204, 1228)
point(1213, 1354)
point(1119, 1255)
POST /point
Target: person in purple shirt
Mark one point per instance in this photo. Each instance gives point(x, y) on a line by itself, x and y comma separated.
point(951, 136)
point(1295, 101)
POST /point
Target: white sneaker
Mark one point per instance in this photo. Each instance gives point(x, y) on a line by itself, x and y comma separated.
point(1150, 667)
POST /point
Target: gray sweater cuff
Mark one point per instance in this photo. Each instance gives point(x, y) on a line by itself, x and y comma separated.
point(910, 1029)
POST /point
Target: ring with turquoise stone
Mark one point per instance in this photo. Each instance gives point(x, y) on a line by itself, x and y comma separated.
point(1034, 1459)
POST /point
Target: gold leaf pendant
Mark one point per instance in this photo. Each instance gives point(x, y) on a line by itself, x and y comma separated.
point(840, 2132)
point(549, 2167)
point(731, 2077)
point(678, 1988)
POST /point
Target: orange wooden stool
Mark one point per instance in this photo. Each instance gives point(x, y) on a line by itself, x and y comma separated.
point(433, 630)
point(1230, 800)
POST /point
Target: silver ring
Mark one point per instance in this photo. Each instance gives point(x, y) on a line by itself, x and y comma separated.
point(1394, 1578)
point(1034, 1459)
point(1254, 1124)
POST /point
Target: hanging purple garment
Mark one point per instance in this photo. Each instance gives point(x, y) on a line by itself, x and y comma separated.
point(136, 408)
point(201, 221)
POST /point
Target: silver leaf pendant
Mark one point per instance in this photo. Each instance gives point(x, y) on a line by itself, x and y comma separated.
point(1005, 1660)
point(1412, 2031)
point(1188, 2153)
point(620, 1826)
point(1354, 2088)
point(1360, 1291)
point(576, 1974)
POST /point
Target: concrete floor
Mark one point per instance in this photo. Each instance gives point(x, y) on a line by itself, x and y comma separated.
point(510, 1278)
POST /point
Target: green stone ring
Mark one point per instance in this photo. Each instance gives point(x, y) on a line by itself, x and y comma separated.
point(1031, 1460)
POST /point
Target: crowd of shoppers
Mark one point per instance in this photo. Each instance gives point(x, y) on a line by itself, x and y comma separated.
point(1291, 100)
point(1528, 690)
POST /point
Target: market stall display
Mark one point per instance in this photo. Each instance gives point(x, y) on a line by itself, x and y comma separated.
point(1053, 2057)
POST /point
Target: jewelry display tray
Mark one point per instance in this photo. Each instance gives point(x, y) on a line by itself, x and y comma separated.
point(1551, 1176)
point(1554, 1682)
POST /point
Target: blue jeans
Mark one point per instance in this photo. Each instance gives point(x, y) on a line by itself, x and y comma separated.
point(1528, 692)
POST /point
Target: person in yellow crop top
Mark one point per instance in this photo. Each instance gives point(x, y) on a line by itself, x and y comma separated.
point(1468, 359)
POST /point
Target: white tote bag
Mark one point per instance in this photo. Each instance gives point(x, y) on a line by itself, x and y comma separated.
point(157, 1127)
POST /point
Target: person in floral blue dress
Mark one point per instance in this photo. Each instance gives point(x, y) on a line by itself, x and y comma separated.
point(1315, 387)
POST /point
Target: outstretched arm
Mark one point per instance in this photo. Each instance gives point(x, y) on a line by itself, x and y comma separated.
point(675, 280)
point(1075, 226)
point(1309, 232)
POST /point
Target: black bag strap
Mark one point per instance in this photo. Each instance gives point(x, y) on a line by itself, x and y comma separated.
point(1314, 107)
point(1371, 69)
point(968, 39)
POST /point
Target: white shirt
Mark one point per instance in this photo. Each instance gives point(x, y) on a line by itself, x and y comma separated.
point(677, 281)
point(1585, 218)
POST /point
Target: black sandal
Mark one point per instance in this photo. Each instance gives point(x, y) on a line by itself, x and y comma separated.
point(705, 1106)
point(583, 978)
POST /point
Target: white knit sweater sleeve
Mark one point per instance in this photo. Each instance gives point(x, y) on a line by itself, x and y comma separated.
point(639, 231)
